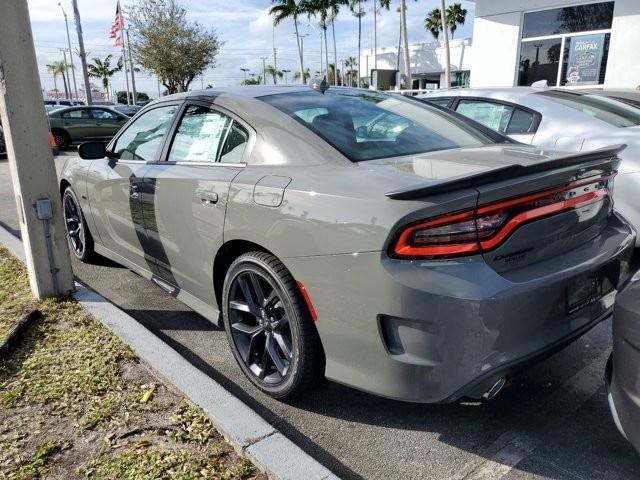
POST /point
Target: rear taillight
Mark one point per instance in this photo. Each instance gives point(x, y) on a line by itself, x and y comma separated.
point(488, 226)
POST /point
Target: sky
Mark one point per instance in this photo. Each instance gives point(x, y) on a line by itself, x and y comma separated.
point(246, 30)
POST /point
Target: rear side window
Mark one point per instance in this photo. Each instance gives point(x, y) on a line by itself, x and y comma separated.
point(142, 139)
point(76, 114)
point(442, 102)
point(497, 116)
point(493, 115)
point(102, 114)
point(235, 145)
point(370, 125)
point(199, 136)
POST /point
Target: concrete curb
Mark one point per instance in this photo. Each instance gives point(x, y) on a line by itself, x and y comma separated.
point(249, 433)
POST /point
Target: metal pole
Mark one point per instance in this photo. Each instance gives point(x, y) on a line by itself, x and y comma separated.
point(286, 81)
point(264, 71)
point(30, 160)
point(447, 59)
point(275, 61)
point(83, 55)
point(73, 67)
point(302, 59)
point(244, 72)
point(67, 86)
point(159, 94)
point(342, 71)
point(133, 78)
point(321, 53)
point(124, 61)
point(375, 35)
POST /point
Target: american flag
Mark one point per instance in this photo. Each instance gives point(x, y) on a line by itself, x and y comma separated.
point(117, 26)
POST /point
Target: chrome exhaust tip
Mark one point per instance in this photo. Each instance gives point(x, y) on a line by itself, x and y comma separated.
point(495, 389)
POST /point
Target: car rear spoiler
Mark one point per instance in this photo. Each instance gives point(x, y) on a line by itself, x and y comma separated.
point(502, 173)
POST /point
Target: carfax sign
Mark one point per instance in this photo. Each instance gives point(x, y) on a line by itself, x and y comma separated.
point(585, 57)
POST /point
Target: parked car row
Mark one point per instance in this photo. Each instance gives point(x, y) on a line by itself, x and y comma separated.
point(79, 124)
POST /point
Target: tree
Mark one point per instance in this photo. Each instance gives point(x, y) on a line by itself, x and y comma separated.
point(333, 76)
point(121, 97)
point(284, 9)
point(102, 69)
point(274, 72)
point(257, 80)
point(58, 68)
point(350, 63)
point(455, 15)
point(167, 44)
point(358, 12)
point(321, 10)
point(307, 75)
point(383, 4)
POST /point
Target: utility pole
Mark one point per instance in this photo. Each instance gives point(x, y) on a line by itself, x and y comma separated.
point(73, 67)
point(264, 70)
point(133, 77)
point(244, 71)
point(342, 72)
point(275, 61)
point(286, 82)
point(67, 85)
point(83, 55)
point(375, 34)
point(447, 59)
point(30, 161)
point(159, 94)
point(321, 53)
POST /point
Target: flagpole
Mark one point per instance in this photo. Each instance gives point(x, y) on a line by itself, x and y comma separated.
point(134, 95)
point(124, 60)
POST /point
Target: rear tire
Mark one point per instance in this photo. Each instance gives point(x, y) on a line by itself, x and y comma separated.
point(61, 138)
point(268, 327)
point(78, 234)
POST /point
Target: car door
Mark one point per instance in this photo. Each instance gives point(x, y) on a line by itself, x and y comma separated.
point(519, 123)
point(107, 122)
point(115, 185)
point(78, 123)
point(184, 206)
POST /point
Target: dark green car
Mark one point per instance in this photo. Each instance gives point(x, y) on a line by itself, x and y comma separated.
point(79, 124)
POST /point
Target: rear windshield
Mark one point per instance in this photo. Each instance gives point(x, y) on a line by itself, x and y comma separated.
point(605, 109)
point(370, 125)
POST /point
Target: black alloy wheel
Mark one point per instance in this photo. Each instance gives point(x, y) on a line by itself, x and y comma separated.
point(270, 332)
point(80, 240)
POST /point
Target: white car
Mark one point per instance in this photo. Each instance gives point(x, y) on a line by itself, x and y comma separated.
point(566, 120)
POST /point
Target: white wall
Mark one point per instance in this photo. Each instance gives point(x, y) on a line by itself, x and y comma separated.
point(496, 40)
point(623, 67)
point(495, 49)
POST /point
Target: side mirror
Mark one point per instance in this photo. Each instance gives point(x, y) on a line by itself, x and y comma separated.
point(362, 132)
point(92, 150)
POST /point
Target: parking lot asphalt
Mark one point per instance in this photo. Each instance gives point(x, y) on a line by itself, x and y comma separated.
point(551, 422)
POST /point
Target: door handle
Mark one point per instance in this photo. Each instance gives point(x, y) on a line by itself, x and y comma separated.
point(133, 191)
point(206, 197)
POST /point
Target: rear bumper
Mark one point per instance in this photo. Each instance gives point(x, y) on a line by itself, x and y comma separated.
point(427, 331)
point(623, 369)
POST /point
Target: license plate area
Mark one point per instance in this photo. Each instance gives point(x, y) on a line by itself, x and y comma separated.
point(585, 290)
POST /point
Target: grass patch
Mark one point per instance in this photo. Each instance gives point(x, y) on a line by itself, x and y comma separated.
point(76, 403)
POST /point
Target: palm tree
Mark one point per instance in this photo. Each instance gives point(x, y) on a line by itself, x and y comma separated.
point(58, 68)
point(254, 80)
point(332, 74)
point(274, 72)
point(283, 9)
point(358, 12)
point(305, 77)
point(321, 10)
point(433, 23)
point(456, 15)
point(383, 4)
point(334, 9)
point(102, 69)
point(350, 63)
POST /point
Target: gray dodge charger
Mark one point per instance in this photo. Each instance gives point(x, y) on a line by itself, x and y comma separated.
point(349, 234)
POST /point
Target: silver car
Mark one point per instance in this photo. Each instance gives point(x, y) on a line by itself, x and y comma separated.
point(566, 120)
point(369, 238)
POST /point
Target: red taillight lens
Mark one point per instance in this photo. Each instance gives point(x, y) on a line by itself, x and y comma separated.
point(487, 226)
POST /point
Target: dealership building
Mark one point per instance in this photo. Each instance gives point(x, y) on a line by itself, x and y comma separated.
point(566, 43)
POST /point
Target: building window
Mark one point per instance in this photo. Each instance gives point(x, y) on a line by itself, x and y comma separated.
point(566, 46)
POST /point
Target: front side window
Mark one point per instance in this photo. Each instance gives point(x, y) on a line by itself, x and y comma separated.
point(143, 138)
point(607, 110)
point(366, 126)
point(199, 136)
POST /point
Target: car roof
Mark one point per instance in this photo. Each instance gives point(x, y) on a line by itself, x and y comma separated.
point(478, 92)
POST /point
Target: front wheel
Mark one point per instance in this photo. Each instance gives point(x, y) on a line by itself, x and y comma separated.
point(78, 235)
point(270, 332)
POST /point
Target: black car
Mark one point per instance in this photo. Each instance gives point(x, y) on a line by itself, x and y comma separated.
point(623, 369)
point(128, 110)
